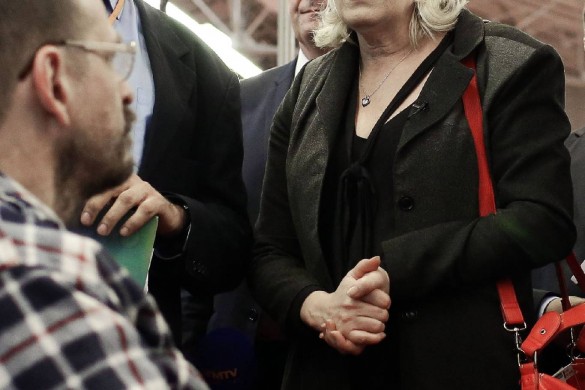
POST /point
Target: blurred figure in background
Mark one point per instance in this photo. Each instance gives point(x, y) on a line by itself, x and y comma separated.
point(260, 96)
point(188, 153)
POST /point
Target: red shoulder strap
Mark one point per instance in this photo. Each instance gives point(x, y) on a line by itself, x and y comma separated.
point(487, 204)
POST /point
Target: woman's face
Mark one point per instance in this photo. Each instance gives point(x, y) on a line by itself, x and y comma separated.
point(372, 14)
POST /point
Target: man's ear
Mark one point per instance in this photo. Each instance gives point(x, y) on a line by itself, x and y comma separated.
point(52, 83)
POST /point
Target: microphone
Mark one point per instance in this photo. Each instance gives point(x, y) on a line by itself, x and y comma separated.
point(418, 107)
point(226, 359)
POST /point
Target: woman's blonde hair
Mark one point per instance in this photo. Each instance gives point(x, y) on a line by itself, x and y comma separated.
point(428, 17)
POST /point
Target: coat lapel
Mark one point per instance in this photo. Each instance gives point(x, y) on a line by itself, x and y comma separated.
point(316, 128)
point(449, 79)
point(173, 85)
point(336, 89)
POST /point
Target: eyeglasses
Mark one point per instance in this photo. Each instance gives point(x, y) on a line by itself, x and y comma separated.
point(119, 55)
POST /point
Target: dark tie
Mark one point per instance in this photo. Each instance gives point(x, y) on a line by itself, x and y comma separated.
point(108, 6)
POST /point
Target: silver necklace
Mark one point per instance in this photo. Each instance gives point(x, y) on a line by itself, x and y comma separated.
point(367, 99)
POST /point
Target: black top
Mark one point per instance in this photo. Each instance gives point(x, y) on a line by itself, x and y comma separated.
point(349, 147)
point(374, 363)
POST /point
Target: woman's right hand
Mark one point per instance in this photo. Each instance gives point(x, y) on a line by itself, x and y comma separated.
point(356, 312)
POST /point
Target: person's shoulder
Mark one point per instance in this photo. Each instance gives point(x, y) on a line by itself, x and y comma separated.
point(328, 58)
point(510, 38)
point(318, 68)
point(269, 76)
point(68, 260)
point(51, 250)
point(160, 19)
point(508, 50)
point(170, 33)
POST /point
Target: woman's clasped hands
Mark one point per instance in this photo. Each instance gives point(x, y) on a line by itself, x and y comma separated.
point(354, 315)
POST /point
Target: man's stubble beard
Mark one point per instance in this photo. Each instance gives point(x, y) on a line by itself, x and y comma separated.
point(83, 171)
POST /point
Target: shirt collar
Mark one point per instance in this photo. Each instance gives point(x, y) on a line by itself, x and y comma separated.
point(111, 4)
point(11, 192)
point(301, 61)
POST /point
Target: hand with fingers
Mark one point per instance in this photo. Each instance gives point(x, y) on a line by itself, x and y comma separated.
point(353, 316)
point(136, 194)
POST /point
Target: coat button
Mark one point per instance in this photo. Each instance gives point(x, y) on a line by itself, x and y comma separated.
point(199, 268)
point(410, 314)
point(406, 203)
point(253, 315)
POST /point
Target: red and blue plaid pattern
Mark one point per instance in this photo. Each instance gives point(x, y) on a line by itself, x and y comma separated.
point(70, 317)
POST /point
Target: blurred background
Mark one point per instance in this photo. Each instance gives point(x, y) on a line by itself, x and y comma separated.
point(257, 35)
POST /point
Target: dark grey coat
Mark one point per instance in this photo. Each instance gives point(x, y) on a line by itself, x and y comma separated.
point(443, 260)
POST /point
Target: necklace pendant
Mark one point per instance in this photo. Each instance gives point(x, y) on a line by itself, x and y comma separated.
point(365, 101)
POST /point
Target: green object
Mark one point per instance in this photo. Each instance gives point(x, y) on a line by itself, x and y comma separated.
point(133, 252)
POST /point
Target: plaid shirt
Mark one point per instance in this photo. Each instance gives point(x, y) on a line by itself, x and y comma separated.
point(69, 316)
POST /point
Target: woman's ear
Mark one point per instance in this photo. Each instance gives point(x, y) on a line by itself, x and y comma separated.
point(52, 83)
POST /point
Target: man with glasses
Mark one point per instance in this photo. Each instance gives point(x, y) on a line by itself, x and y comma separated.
point(188, 156)
point(70, 317)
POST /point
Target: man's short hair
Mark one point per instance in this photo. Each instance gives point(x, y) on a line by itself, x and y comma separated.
point(25, 25)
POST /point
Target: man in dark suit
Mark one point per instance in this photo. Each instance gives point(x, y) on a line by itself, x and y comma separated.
point(189, 165)
point(260, 97)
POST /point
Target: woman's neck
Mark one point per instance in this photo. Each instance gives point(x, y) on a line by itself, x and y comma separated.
point(383, 53)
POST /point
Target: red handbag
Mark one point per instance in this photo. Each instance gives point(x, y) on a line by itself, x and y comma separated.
point(550, 324)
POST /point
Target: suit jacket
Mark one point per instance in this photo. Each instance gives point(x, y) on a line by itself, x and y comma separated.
point(193, 152)
point(443, 260)
point(260, 97)
point(545, 278)
point(576, 145)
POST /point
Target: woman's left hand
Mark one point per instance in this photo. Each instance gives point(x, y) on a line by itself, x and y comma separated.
point(368, 289)
point(354, 344)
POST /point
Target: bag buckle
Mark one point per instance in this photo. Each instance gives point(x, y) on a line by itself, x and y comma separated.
point(520, 354)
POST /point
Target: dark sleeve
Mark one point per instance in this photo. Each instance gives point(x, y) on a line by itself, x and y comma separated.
point(219, 242)
point(277, 275)
point(539, 297)
point(526, 126)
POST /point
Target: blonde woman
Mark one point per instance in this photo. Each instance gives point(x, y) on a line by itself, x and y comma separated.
point(369, 245)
